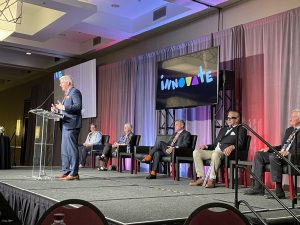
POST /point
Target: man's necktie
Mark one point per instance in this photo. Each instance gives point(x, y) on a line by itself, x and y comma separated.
point(289, 141)
point(175, 139)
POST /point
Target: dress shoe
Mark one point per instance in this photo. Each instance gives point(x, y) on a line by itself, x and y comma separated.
point(146, 159)
point(102, 168)
point(150, 177)
point(61, 176)
point(252, 191)
point(197, 182)
point(69, 177)
point(280, 195)
point(211, 183)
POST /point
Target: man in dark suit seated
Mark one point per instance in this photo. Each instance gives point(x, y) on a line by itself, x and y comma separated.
point(265, 156)
point(181, 138)
point(224, 146)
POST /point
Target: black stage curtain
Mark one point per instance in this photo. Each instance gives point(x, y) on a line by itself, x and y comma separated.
point(4, 152)
point(28, 206)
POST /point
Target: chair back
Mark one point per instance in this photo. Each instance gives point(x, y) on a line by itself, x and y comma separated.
point(164, 138)
point(86, 214)
point(216, 213)
point(193, 141)
point(135, 140)
point(105, 139)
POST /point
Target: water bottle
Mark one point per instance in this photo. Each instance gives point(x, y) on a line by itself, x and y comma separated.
point(58, 219)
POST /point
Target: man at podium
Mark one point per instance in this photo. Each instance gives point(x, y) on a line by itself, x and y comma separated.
point(70, 108)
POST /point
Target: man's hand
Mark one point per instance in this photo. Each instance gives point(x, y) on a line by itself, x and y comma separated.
point(59, 105)
point(54, 109)
point(264, 149)
point(115, 145)
point(284, 153)
point(202, 147)
point(169, 150)
point(227, 151)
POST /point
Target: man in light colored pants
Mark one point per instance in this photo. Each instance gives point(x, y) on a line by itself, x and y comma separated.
point(223, 146)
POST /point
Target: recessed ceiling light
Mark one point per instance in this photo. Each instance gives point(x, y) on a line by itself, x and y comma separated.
point(28, 53)
point(114, 5)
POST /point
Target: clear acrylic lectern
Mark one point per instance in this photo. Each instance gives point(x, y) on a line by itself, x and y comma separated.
point(43, 143)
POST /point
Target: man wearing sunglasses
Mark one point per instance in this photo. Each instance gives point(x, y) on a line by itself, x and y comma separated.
point(224, 146)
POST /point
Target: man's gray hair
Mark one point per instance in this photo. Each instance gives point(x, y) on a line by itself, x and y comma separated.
point(67, 78)
point(296, 111)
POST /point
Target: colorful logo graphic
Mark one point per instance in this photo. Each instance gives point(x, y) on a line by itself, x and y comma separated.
point(186, 81)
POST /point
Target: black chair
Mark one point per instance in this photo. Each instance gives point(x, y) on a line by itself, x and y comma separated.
point(67, 212)
point(242, 156)
point(179, 152)
point(97, 149)
point(123, 153)
point(217, 213)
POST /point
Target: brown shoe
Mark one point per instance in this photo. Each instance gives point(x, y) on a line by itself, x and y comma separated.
point(69, 177)
point(197, 182)
point(147, 158)
point(211, 183)
point(61, 176)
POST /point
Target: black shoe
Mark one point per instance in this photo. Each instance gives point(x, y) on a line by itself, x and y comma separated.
point(253, 192)
point(150, 177)
point(280, 195)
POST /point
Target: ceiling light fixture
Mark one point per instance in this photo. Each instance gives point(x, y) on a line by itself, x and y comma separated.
point(28, 53)
point(10, 16)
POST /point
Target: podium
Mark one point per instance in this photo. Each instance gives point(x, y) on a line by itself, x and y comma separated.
point(42, 161)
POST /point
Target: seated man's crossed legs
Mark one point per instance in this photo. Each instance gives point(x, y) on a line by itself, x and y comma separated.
point(155, 155)
point(215, 158)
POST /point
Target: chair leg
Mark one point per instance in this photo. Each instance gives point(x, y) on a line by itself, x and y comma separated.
point(174, 171)
point(226, 177)
point(177, 170)
point(291, 187)
point(131, 164)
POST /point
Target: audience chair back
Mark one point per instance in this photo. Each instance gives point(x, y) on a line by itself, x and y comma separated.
point(217, 213)
point(87, 213)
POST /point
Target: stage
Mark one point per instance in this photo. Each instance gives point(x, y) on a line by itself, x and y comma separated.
point(131, 199)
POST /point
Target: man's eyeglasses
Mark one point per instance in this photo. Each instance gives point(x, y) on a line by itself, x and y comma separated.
point(231, 118)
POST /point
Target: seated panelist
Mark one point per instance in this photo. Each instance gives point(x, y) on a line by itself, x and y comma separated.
point(223, 146)
point(112, 148)
point(93, 138)
point(181, 138)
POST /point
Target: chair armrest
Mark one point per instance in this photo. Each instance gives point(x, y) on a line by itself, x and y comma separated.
point(142, 149)
point(97, 147)
point(122, 148)
point(185, 152)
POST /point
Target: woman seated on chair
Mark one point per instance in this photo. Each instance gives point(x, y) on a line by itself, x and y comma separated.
point(93, 138)
point(113, 148)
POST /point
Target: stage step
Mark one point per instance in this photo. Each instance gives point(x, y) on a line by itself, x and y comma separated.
point(278, 217)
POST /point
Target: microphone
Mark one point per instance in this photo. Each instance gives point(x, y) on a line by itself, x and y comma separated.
point(45, 100)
